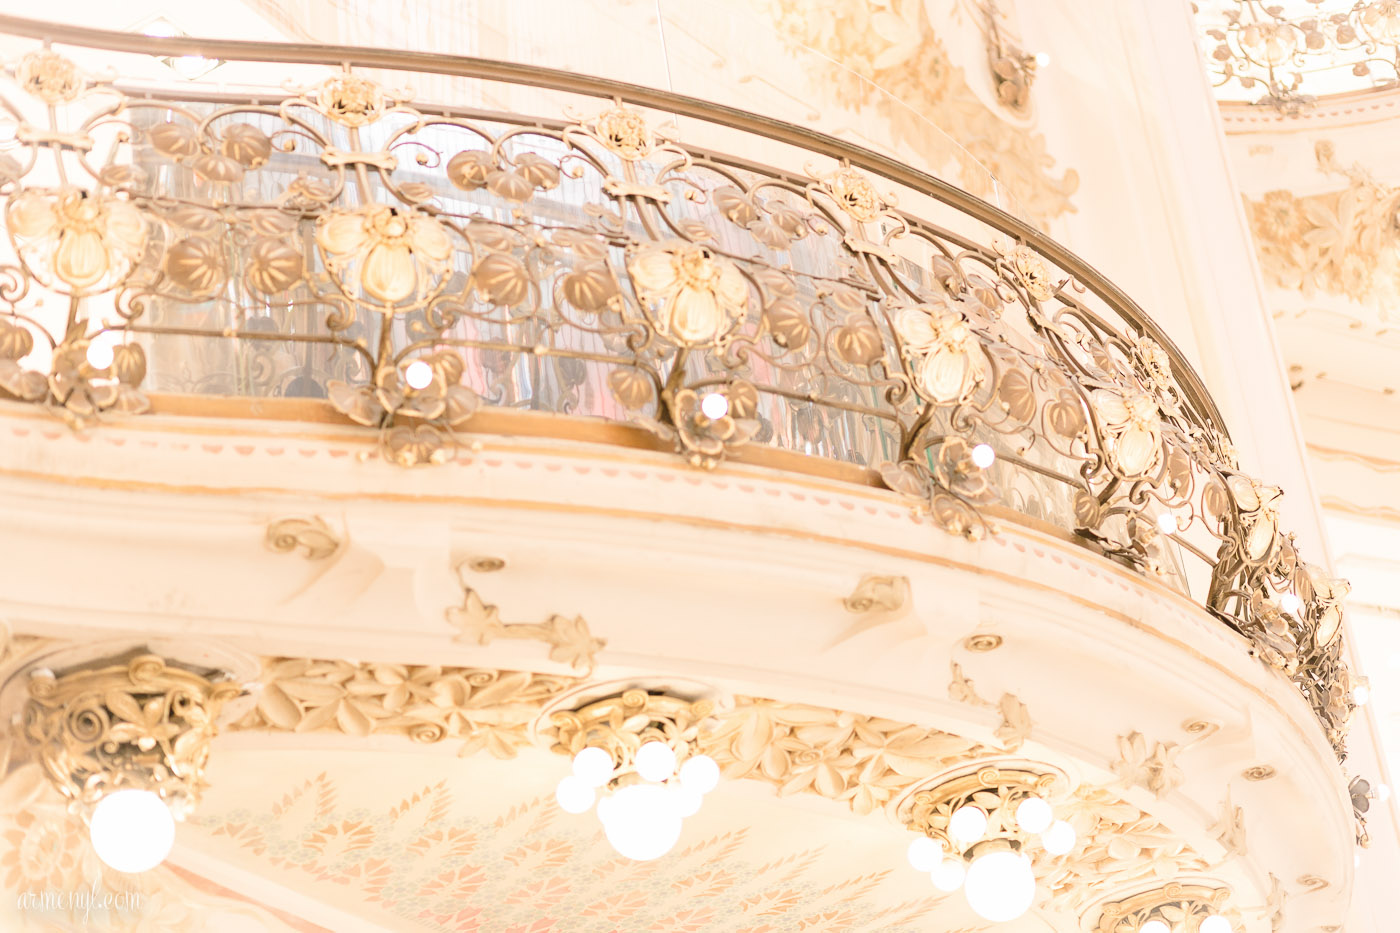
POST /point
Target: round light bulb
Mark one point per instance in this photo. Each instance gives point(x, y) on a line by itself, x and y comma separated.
point(1361, 695)
point(1216, 924)
point(714, 406)
point(640, 821)
point(132, 830)
point(983, 455)
point(1382, 792)
point(1034, 815)
point(948, 874)
point(593, 766)
point(684, 800)
point(967, 824)
point(418, 375)
point(655, 761)
point(1042, 59)
point(1154, 926)
point(1166, 524)
point(100, 353)
point(700, 773)
point(190, 66)
point(574, 795)
point(1059, 838)
point(1289, 602)
point(1000, 886)
point(925, 854)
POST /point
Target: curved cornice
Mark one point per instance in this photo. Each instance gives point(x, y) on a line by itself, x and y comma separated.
point(1335, 111)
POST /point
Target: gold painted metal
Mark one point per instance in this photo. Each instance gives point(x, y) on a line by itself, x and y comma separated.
point(133, 722)
point(1265, 46)
point(1182, 907)
point(895, 354)
point(623, 723)
point(1259, 772)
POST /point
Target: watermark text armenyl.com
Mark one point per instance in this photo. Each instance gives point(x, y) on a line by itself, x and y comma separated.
point(80, 901)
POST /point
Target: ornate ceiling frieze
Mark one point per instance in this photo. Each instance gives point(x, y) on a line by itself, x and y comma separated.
point(1344, 243)
point(888, 56)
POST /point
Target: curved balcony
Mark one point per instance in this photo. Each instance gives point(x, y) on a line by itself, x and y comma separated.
point(741, 301)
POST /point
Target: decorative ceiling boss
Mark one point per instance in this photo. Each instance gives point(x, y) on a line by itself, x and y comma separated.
point(640, 750)
point(125, 739)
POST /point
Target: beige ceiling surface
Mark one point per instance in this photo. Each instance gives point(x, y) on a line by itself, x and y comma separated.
point(413, 841)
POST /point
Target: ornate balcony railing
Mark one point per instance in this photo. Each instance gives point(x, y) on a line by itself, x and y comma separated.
point(412, 265)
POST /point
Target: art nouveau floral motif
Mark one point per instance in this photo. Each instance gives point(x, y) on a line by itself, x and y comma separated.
point(695, 296)
point(862, 760)
point(1341, 243)
point(484, 709)
point(410, 267)
point(887, 55)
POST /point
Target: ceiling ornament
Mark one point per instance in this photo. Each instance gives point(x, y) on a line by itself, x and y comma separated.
point(570, 641)
point(901, 68)
point(876, 593)
point(485, 710)
point(1172, 908)
point(982, 830)
point(521, 266)
point(1341, 243)
point(636, 754)
point(1272, 47)
point(315, 539)
point(1149, 765)
point(1013, 69)
point(1016, 723)
point(125, 740)
point(1229, 829)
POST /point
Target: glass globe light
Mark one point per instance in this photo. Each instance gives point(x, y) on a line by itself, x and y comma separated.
point(100, 353)
point(132, 830)
point(640, 821)
point(656, 761)
point(983, 455)
point(1059, 838)
point(714, 406)
point(1166, 524)
point(1156, 926)
point(685, 800)
point(967, 824)
point(948, 874)
point(593, 766)
point(1000, 886)
point(1034, 815)
point(925, 854)
point(1290, 603)
point(1216, 924)
point(700, 773)
point(574, 794)
point(1361, 695)
point(418, 375)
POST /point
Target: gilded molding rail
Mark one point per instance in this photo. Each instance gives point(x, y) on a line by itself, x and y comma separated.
point(414, 267)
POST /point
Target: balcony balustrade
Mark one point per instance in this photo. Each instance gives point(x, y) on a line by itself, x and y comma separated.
point(342, 252)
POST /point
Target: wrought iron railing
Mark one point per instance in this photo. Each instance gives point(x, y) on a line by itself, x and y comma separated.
point(413, 265)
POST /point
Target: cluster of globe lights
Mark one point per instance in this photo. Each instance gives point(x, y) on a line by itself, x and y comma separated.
point(642, 818)
point(995, 874)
